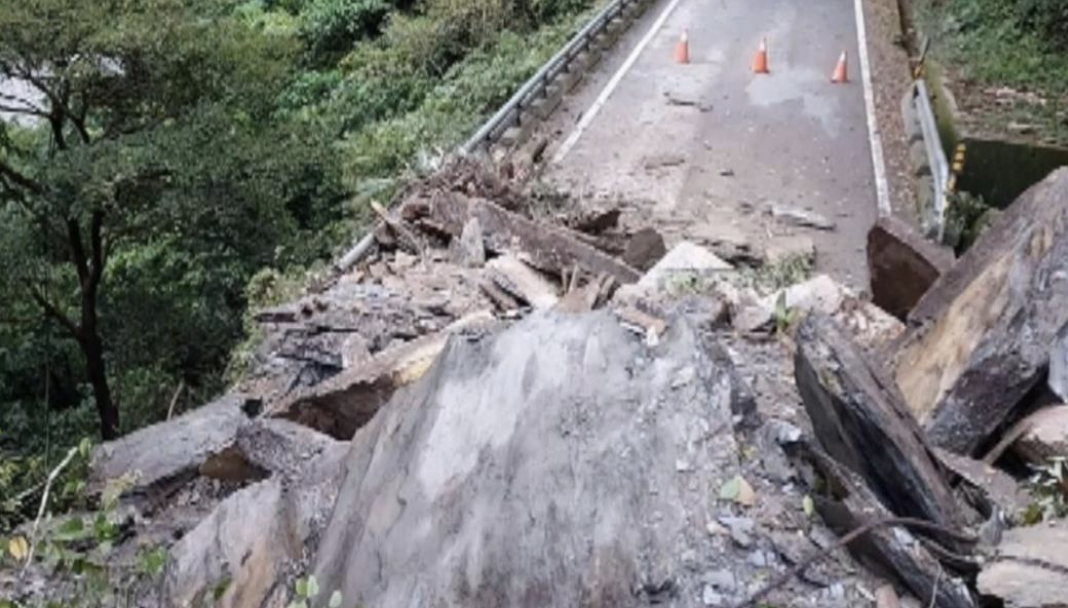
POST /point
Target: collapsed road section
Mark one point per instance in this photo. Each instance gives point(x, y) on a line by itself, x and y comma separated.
point(517, 397)
point(495, 409)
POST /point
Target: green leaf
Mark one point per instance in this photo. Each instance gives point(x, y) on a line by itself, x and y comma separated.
point(808, 506)
point(18, 548)
point(71, 529)
point(220, 589)
point(313, 587)
point(335, 600)
point(731, 489)
point(152, 562)
point(302, 587)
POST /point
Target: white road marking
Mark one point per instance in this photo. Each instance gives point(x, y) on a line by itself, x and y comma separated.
point(609, 88)
point(882, 189)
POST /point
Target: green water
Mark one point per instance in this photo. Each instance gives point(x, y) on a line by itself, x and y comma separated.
point(1001, 171)
point(998, 171)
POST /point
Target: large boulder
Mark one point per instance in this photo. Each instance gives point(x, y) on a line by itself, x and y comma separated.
point(245, 552)
point(903, 265)
point(171, 453)
point(560, 463)
point(989, 323)
point(239, 550)
point(853, 408)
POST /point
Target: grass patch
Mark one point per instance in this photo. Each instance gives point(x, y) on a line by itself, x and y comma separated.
point(990, 44)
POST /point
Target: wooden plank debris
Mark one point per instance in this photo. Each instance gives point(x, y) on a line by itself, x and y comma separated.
point(548, 248)
point(341, 404)
point(518, 280)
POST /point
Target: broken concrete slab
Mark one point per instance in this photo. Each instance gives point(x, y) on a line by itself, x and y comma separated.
point(661, 161)
point(471, 249)
point(548, 248)
point(796, 216)
point(521, 281)
point(990, 322)
point(820, 294)
point(685, 259)
point(852, 409)
point(869, 325)
point(343, 403)
point(1043, 435)
point(342, 325)
point(903, 265)
point(171, 452)
point(282, 447)
point(1030, 569)
point(482, 469)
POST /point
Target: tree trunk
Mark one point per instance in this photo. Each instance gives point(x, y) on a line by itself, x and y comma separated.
point(93, 349)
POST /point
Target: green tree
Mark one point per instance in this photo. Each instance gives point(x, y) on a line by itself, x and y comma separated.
point(140, 122)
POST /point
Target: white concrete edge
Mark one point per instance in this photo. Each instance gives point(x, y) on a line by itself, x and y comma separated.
point(882, 188)
point(610, 87)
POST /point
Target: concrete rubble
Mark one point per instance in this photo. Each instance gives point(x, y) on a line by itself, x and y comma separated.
point(1043, 435)
point(1030, 568)
point(502, 407)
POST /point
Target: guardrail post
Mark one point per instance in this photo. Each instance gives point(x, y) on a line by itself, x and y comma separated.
point(937, 157)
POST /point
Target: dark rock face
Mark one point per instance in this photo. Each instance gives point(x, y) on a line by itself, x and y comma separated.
point(559, 463)
point(903, 265)
point(860, 421)
point(644, 249)
point(989, 324)
point(895, 552)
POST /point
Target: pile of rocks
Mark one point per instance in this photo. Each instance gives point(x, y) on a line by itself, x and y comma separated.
point(501, 408)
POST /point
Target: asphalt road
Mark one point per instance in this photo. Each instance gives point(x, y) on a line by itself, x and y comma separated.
point(704, 149)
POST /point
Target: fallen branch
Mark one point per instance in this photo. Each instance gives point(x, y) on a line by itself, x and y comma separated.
point(934, 590)
point(44, 503)
point(404, 236)
point(174, 398)
point(804, 564)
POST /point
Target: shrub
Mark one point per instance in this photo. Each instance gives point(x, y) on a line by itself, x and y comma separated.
point(1046, 17)
point(331, 27)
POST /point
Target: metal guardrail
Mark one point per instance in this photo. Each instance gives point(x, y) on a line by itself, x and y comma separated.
point(534, 88)
point(508, 114)
point(936, 156)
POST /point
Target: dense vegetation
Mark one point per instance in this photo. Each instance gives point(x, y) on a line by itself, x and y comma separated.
point(1021, 44)
point(166, 161)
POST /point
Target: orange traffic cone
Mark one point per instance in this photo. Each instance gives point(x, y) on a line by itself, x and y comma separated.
point(760, 62)
point(682, 48)
point(840, 75)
